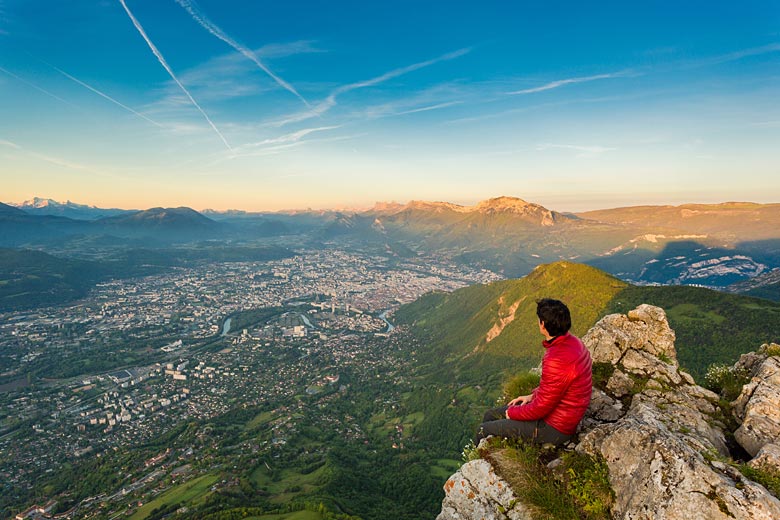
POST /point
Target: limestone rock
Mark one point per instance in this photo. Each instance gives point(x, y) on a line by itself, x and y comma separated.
point(656, 475)
point(767, 459)
point(645, 329)
point(604, 408)
point(656, 451)
point(758, 408)
point(620, 384)
point(749, 363)
point(659, 433)
point(476, 492)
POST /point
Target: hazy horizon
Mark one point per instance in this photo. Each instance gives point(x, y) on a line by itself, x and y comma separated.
point(357, 208)
point(261, 107)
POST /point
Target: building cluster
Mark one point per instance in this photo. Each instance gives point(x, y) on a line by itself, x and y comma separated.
point(185, 361)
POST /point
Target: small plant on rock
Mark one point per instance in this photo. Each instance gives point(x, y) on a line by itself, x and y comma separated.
point(725, 380)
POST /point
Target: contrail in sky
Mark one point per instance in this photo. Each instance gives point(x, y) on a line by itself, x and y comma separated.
point(36, 87)
point(331, 100)
point(562, 82)
point(55, 160)
point(170, 72)
point(219, 33)
point(106, 96)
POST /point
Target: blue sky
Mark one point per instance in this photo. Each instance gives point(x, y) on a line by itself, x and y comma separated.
point(272, 105)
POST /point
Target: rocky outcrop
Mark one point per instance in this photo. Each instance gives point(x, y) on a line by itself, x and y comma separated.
point(475, 491)
point(767, 459)
point(758, 406)
point(661, 435)
point(663, 453)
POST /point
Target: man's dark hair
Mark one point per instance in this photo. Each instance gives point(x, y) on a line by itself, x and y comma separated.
point(555, 315)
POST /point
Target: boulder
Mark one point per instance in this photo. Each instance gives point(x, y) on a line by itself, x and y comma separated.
point(644, 329)
point(656, 474)
point(758, 407)
point(662, 452)
point(767, 459)
point(475, 491)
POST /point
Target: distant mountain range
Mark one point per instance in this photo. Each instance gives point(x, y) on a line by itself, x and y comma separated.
point(42, 206)
point(20, 227)
point(182, 220)
point(713, 245)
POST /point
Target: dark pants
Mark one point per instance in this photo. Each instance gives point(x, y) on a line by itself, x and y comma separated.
point(496, 423)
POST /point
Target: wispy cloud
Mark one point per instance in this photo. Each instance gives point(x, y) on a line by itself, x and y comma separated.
point(437, 97)
point(584, 151)
point(275, 146)
point(224, 77)
point(429, 108)
point(563, 82)
point(332, 99)
point(768, 124)
point(64, 163)
point(3, 142)
point(289, 138)
point(212, 28)
point(162, 61)
point(105, 96)
point(36, 87)
point(736, 55)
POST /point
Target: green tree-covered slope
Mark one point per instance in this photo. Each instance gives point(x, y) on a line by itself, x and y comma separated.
point(476, 330)
point(480, 328)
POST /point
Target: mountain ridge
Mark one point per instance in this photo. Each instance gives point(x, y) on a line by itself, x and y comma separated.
point(714, 245)
point(733, 323)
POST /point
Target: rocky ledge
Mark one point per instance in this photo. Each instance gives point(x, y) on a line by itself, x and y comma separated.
point(664, 438)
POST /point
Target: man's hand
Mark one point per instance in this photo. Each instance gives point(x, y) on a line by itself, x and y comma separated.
point(523, 399)
point(518, 401)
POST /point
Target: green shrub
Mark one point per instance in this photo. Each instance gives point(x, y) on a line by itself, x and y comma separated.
point(725, 381)
point(587, 482)
point(767, 478)
point(772, 349)
point(577, 489)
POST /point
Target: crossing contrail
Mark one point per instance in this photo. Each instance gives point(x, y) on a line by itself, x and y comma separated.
point(106, 96)
point(219, 33)
point(170, 72)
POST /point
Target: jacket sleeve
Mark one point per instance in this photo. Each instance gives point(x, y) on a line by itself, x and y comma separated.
point(557, 375)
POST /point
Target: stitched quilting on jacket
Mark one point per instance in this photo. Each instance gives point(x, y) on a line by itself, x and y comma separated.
point(563, 394)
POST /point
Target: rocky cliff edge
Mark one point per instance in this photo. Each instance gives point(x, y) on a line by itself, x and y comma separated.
point(666, 441)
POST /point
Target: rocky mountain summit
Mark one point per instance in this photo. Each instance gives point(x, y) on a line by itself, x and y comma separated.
point(666, 441)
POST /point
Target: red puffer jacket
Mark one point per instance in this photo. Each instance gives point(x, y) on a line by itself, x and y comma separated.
point(564, 392)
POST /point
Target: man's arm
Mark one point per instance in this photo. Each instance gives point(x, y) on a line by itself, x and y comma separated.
point(523, 399)
point(556, 378)
point(518, 401)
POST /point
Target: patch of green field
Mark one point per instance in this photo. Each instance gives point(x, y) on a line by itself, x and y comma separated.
point(758, 307)
point(183, 493)
point(442, 469)
point(260, 420)
point(468, 394)
point(691, 311)
point(298, 515)
point(414, 418)
point(286, 484)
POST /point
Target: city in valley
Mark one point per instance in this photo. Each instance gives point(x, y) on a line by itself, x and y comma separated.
point(204, 372)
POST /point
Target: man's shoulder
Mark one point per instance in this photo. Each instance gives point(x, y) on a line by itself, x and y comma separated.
point(569, 346)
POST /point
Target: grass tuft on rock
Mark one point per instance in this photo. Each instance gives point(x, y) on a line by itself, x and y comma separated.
point(576, 488)
point(766, 477)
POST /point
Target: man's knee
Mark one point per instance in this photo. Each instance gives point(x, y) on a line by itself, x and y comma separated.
point(494, 414)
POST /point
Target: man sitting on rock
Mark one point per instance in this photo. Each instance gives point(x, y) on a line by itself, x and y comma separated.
point(551, 413)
